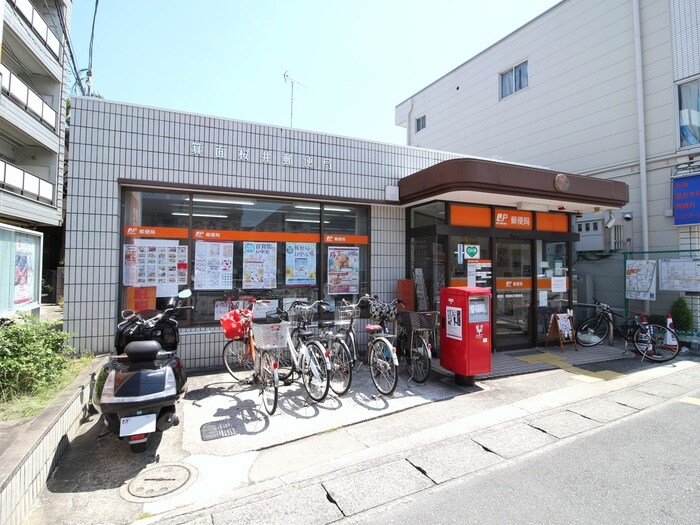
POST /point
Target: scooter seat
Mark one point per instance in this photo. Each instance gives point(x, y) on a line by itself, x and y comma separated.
point(139, 351)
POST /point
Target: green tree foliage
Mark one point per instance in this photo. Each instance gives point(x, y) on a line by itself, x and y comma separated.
point(682, 315)
point(33, 354)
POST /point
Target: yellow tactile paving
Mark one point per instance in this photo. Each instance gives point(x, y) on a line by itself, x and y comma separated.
point(561, 362)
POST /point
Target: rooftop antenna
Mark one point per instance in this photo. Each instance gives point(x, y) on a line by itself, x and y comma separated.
point(291, 81)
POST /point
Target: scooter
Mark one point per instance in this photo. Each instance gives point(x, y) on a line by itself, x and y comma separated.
point(137, 389)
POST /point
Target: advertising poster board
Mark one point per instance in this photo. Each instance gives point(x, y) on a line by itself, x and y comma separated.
point(343, 270)
point(153, 262)
point(25, 268)
point(259, 265)
point(300, 264)
point(213, 265)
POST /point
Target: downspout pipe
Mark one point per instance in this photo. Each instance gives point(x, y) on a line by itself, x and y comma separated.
point(641, 124)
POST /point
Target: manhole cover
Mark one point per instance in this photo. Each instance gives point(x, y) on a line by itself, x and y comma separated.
point(159, 481)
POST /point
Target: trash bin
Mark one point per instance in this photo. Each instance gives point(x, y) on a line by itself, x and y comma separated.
point(465, 332)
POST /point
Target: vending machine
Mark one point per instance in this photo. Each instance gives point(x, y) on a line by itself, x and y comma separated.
point(465, 331)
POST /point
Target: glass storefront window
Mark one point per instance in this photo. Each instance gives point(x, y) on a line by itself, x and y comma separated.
point(554, 283)
point(431, 214)
point(230, 247)
point(471, 260)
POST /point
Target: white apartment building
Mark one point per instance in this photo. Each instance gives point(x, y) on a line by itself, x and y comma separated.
point(603, 88)
point(33, 74)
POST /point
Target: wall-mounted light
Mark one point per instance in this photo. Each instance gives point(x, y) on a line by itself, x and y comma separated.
point(316, 221)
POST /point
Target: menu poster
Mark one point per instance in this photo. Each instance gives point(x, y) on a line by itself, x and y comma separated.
point(213, 265)
point(153, 262)
point(300, 264)
point(259, 265)
point(343, 270)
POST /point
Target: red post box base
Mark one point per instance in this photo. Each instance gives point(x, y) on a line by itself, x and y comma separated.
point(464, 380)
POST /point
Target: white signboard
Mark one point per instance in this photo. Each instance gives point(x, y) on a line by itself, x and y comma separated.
point(640, 280)
point(679, 275)
point(454, 322)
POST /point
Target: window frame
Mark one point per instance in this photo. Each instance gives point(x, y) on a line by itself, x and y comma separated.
point(511, 74)
point(420, 123)
point(679, 141)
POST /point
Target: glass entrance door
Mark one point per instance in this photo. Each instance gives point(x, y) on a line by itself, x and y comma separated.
point(512, 270)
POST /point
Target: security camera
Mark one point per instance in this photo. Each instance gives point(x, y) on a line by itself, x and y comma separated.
point(610, 223)
point(627, 216)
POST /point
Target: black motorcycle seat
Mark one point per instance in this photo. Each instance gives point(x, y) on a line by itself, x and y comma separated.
point(139, 351)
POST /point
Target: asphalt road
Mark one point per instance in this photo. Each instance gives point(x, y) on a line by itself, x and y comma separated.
point(641, 469)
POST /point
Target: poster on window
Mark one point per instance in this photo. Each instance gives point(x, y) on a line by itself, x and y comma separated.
point(300, 264)
point(24, 273)
point(343, 270)
point(213, 265)
point(159, 263)
point(259, 265)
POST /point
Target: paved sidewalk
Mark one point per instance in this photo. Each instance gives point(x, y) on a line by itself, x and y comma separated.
point(227, 456)
point(399, 466)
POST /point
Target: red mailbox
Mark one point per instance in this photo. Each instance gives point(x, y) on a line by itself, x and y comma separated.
point(465, 331)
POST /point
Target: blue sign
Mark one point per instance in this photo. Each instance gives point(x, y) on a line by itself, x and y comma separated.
point(686, 200)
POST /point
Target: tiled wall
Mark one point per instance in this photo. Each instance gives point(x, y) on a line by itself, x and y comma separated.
point(113, 142)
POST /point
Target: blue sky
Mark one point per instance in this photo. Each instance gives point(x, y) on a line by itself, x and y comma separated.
point(356, 60)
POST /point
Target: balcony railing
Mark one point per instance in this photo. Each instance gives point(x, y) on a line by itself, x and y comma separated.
point(13, 86)
point(36, 22)
point(24, 183)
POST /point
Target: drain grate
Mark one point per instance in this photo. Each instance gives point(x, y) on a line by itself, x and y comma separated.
point(159, 481)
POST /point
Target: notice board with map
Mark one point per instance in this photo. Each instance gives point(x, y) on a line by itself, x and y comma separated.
point(640, 280)
point(679, 275)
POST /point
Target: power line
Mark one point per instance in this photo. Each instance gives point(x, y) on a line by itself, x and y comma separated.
point(92, 39)
point(69, 48)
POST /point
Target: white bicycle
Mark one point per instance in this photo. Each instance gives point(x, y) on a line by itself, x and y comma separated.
point(306, 357)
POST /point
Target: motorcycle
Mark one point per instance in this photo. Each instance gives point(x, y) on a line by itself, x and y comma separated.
point(137, 389)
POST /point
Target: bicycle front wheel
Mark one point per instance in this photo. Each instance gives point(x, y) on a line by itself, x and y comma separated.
point(656, 342)
point(268, 385)
point(592, 331)
point(383, 368)
point(314, 373)
point(285, 362)
point(349, 337)
point(341, 367)
point(238, 363)
point(418, 359)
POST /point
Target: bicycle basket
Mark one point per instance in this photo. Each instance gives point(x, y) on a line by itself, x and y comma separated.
point(380, 311)
point(269, 336)
point(235, 326)
point(419, 320)
point(301, 314)
point(346, 314)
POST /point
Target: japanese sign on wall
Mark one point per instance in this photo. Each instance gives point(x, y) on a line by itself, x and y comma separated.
point(300, 264)
point(686, 200)
point(343, 270)
point(213, 265)
point(259, 265)
point(156, 263)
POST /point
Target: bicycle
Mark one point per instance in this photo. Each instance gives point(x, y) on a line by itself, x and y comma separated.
point(652, 341)
point(381, 355)
point(240, 357)
point(345, 316)
point(413, 343)
point(305, 356)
